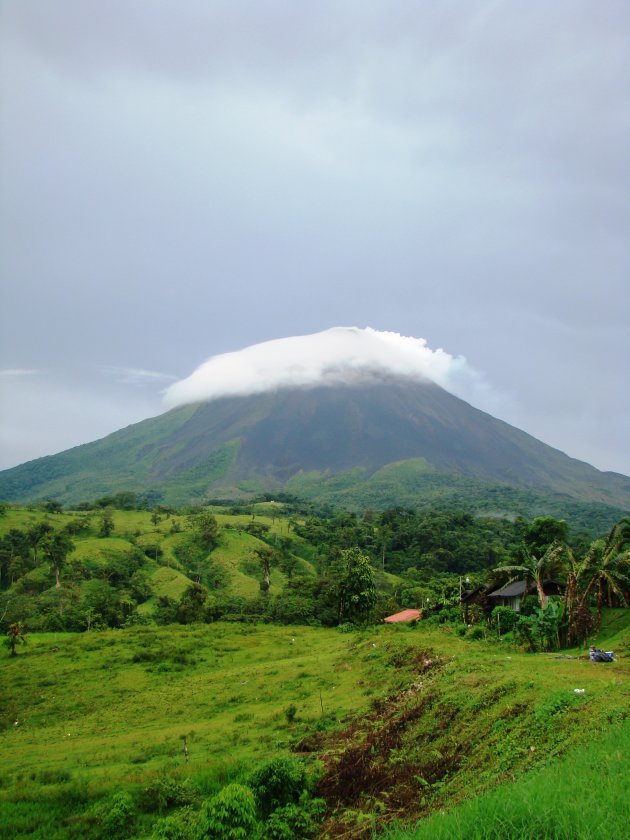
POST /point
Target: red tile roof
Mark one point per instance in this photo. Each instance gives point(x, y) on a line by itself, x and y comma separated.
point(405, 615)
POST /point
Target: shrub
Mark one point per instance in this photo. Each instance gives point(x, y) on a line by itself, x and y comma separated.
point(526, 632)
point(290, 713)
point(117, 816)
point(476, 632)
point(182, 825)
point(230, 815)
point(165, 792)
point(504, 619)
point(277, 783)
point(449, 615)
point(294, 822)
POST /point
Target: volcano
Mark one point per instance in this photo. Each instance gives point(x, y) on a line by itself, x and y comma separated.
point(377, 442)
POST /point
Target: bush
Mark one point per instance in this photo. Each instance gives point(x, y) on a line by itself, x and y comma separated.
point(165, 792)
point(449, 615)
point(230, 815)
point(476, 633)
point(526, 632)
point(294, 822)
point(504, 619)
point(182, 825)
point(117, 816)
point(279, 782)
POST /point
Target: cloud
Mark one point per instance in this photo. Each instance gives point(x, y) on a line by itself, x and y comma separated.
point(136, 376)
point(20, 372)
point(330, 357)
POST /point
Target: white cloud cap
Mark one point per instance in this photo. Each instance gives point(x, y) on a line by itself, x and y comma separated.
point(330, 357)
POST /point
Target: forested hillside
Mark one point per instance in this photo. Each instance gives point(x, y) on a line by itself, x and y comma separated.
point(111, 566)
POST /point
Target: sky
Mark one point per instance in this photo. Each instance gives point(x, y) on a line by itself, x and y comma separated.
point(182, 180)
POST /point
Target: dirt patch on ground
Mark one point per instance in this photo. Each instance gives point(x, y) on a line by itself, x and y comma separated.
point(370, 777)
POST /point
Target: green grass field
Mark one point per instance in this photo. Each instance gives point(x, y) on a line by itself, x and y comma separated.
point(103, 712)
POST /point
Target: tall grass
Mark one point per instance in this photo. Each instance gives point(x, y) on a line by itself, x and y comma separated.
point(584, 796)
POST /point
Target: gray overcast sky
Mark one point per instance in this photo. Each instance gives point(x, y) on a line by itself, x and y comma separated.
point(181, 179)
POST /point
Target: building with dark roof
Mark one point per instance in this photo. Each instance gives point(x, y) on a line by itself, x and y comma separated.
point(513, 593)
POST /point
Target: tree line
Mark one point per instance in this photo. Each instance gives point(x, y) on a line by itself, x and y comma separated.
point(336, 567)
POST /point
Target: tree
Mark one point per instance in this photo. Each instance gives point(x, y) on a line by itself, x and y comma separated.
point(192, 604)
point(288, 561)
point(52, 506)
point(56, 547)
point(107, 523)
point(14, 556)
point(15, 636)
point(605, 570)
point(267, 557)
point(205, 528)
point(543, 532)
point(538, 569)
point(35, 534)
point(357, 592)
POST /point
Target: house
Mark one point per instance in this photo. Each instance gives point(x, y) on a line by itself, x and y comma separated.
point(513, 593)
point(405, 615)
point(475, 601)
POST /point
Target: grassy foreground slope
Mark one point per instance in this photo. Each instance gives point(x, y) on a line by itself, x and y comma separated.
point(401, 721)
point(583, 796)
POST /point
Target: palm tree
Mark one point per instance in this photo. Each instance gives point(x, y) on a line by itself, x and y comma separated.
point(606, 567)
point(538, 569)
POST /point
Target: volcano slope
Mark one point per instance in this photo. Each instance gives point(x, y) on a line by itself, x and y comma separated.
point(375, 443)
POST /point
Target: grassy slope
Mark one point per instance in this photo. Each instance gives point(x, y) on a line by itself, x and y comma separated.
point(583, 796)
point(89, 714)
point(104, 711)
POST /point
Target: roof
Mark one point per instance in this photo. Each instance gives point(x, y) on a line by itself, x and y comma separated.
point(517, 587)
point(469, 595)
point(510, 590)
point(405, 615)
